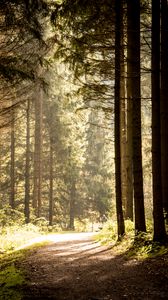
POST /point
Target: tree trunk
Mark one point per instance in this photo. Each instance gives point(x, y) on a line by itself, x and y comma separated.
point(51, 205)
point(118, 37)
point(12, 171)
point(72, 205)
point(129, 155)
point(134, 32)
point(27, 167)
point(164, 103)
point(123, 125)
point(159, 227)
point(38, 153)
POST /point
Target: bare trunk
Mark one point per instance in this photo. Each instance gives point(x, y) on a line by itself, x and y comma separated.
point(118, 37)
point(123, 126)
point(72, 205)
point(51, 204)
point(159, 227)
point(134, 32)
point(38, 153)
point(27, 167)
point(12, 171)
point(164, 103)
point(129, 154)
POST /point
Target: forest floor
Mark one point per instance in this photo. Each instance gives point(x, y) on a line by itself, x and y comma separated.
point(76, 267)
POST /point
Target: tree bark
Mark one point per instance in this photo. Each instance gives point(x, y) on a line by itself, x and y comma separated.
point(164, 103)
point(129, 154)
point(123, 125)
point(133, 10)
point(159, 227)
point(12, 170)
point(51, 204)
point(118, 189)
point(27, 167)
point(72, 205)
point(37, 194)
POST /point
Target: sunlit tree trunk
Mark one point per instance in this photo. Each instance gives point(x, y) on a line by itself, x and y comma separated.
point(37, 194)
point(51, 204)
point(72, 205)
point(164, 103)
point(133, 10)
point(159, 227)
point(27, 166)
point(118, 37)
point(12, 170)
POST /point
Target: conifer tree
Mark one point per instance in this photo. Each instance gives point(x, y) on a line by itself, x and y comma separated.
point(133, 12)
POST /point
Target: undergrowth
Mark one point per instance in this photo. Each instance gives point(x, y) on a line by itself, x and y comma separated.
point(14, 233)
point(11, 280)
point(12, 276)
point(140, 247)
point(13, 237)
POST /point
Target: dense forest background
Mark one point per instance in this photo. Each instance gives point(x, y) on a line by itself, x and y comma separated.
point(83, 114)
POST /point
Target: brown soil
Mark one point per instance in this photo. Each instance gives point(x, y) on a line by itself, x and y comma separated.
point(81, 269)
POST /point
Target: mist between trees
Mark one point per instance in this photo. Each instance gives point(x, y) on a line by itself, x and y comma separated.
point(83, 113)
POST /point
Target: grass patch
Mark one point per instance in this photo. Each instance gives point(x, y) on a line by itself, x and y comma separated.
point(12, 276)
point(139, 247)
point(143, 247)
point(11, 279)
point(13, 237)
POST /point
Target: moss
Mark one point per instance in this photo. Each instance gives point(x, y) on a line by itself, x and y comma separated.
point(11, 279)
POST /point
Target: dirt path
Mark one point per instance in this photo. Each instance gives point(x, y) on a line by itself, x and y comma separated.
point(77, 268)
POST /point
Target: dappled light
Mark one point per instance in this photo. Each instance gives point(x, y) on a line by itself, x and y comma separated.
point(83, 269)
point(57, 238)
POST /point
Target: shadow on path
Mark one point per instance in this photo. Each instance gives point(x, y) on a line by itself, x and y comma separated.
point(84, 270)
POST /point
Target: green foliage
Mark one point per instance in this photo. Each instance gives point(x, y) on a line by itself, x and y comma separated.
point(54, 228)
point(9, 217)
point(140, 246)
point(143, 247)
point(41, 223)
point(11, 279)
point(81, 226)
point(13, 237)
point(87, 224)
point(108, 234)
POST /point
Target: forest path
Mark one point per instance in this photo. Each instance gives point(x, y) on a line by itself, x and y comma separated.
point(75, 267)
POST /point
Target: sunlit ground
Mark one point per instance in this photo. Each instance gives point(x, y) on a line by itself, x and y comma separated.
point(55, 238)
point(18, 237)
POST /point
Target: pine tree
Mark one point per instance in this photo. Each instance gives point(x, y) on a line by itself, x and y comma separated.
point(27, 165)
point(159, 227)
point(133, 11)
point(164, 103)
point(118, 40)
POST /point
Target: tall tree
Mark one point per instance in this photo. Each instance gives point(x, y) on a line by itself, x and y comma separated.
point(27, 165)
point(118, 40)
point(51, 202)
point(72, 204)
point(133, 12)
point(164, 103)
point(37, 194)
point(159, 227)
point(123, 121)
point(129, 155)
point(12, 175)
